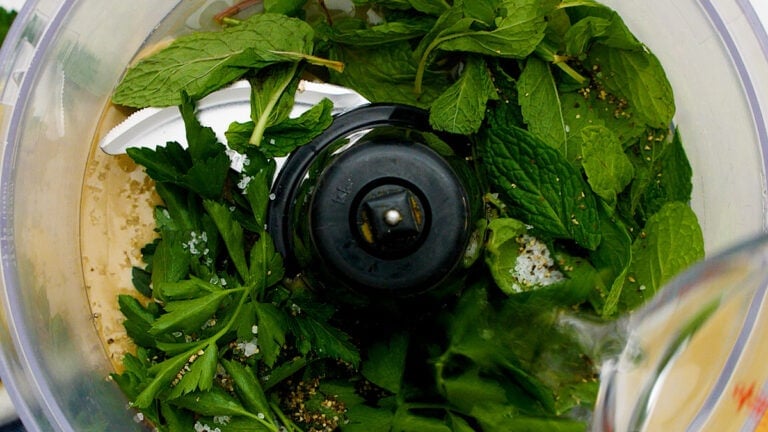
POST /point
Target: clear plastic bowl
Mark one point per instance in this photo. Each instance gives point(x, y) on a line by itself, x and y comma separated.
point(62, 59)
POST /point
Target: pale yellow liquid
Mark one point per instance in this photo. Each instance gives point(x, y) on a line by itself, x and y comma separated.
point(115, 223)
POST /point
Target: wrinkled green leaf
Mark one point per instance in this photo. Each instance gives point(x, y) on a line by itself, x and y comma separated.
point(637, 76)
point(608, 169)
point(539, 100)
point(672, 241)
point(385, 365)
point(201, 63)
point(461, 108)
point(543, 188)
point(232, 234)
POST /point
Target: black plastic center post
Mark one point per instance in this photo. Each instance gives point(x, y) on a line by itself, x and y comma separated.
point(372, 206)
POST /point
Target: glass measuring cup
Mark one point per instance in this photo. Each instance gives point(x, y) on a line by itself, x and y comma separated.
point(693, 358)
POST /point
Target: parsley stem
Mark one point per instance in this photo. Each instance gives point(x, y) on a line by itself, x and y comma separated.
point(287, 423)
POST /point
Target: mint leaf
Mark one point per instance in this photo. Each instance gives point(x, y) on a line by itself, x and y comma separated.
point(502, 250)
point(595, 109)
point(285, 7)
point(539, 100)
point(608, 169)
point(519, 27)
point(387, 74)
point(671, 241)
point(543, 188)
point(612, 260)
point(357, 32)
point(672, 180)
point(272, 97)
point(286, 136)
point(637, 76)
point(385, 365)
point(461, 108)
point(201, 63)
point(605, 27)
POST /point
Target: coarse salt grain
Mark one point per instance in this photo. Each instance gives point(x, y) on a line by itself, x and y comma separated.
point(534, 266)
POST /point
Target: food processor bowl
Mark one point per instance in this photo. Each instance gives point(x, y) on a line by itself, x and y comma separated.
point(62, 59)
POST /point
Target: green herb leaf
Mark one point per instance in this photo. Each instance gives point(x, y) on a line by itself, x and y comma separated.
point(142, 280)
point(272, 97)
point(232, 234)
point(266, 267)
point(188, 315)
point(612, 259)
point(502, 250)
point(201, 63)
point(248, 389)
point(387, 74)
point(202, 370)
point(170, 262)
point(214, 402)
point(608, 169)
point(186, 289)
point(608, 29)
point(285, 137)
point(519, 27)
point(405, 420)
point(595, 109)
point(544, 189)
point(539, 100)
point(356, 32)
point(672, 179)
point(365, 418)
point(324, 340)
point(285, 7)
point(273, 326)
point(672, 241)
point(385, 365)
point(138, 320)
point(162, 375)
point(461, 108)
point(637, 76)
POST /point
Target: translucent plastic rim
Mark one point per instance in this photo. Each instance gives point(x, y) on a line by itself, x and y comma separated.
point(27, 360)
point(54, 417)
